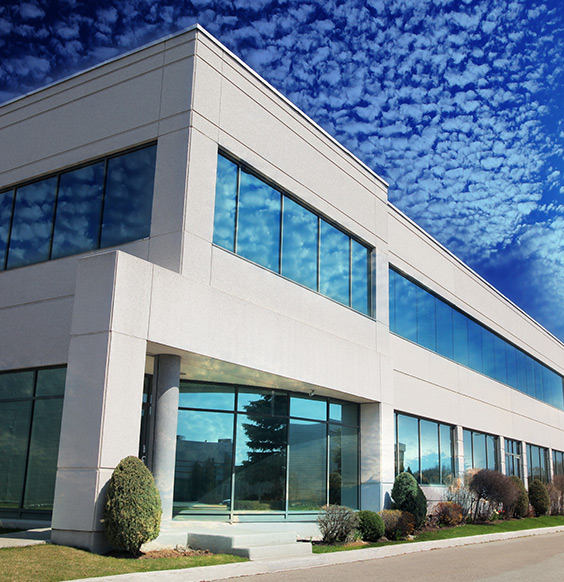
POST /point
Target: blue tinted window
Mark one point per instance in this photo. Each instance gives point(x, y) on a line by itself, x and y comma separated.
point(79, 207)
point(258, 229)
point(407, 445)
point(460, 337)
point(308, 408)
point(406, 309)
point(426, 318)
point(6, 203)
point(334, 253)
point(225, 204)
point(299, 244)
point(360, 287)
point(444, 329)
point(475, 334)
point(488, 355)
point(129, 197)
point(30, 240)
point(430, 465)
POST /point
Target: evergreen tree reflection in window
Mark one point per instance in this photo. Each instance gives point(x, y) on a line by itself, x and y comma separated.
point(260, 472)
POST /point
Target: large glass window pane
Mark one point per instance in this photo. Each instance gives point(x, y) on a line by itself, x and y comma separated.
point(539, 388)
point(225, 204)
point(479, 451)
point(43, 450)
point(511, 359)
point(407, 445)
point(406, 308)
point(51, 382)
point(263, 402)
point(260, 463)
point(32, 227)
point(16, 385)
point(468, 455)
point(6, 203)
point(475, 333)
point(500, 359)
point(488, 357)
point(79, 209)
point(14, 434)
point(308, 408)
point(445, 335)
point(258, 226)
point(344, 413)
point(204, 451)
point(343, 466)
point(447, 458)
point(360, 282)
point(129, 197)
point(299, 244)
point(460, 340)
point(206, 396)
point(491, 451)
point(426, 318)
point(307, 480)
point(334, 254)
point(430, 468)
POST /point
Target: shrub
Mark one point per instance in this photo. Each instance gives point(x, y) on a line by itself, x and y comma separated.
point(448, 513)
point(370, 526)
point(132, 513)
point(538, 497)
point(337, 523)
point(458, 491)
point(494, 489)
point(521, 506)
point(556, 495)
point(408, 496)
point(397, 524)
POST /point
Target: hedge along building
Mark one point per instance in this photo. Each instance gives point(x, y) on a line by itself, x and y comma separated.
point(195, 272)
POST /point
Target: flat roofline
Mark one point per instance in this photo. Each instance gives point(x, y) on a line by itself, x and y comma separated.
point(469, 269)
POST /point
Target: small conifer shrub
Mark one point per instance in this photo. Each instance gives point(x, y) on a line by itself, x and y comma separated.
point(521, 507)
point(538, 497)
point(370, 526)
point(132, 513)
point(408, 496)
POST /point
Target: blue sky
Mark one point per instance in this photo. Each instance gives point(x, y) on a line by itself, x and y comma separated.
point(458, 104)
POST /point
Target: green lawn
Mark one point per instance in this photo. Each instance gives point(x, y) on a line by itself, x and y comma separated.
point(48, 563)
point(459, 532)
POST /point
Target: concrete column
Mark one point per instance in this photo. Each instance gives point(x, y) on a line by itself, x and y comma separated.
point(525, 464)
point(550, 465)
point(166, 420)
point(377, 455)
point(459, 451)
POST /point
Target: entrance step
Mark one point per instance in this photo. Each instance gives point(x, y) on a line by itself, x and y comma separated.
point(253, 545)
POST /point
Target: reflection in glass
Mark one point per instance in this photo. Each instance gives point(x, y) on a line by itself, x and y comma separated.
point(460, 337)
point(445, 330)
point(360, 285)
point(407, 445)
point(447, 457)
point(430, 468)
point(194, 395)
point(343, 466)
point(51, 382)
point(491, 452)
point(43, 450)
point(32, 223)
point(479, 451)
point(308, 408)
point(16, 385)
point(334, 256)
point(260, 462)
point(225, 204)
point(79, 208)
point(204, 450)
point(426, 317)
point(129, 197)
point(468, 463)
point(346, 413)
point(258, 225)
point(6, 202)
point(512, 457)
point(14, 433)
point(299, 244)
point(405, 308)
point(263, 402)
point(307, 480)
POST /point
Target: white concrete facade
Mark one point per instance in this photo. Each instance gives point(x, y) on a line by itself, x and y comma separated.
point(107, 314)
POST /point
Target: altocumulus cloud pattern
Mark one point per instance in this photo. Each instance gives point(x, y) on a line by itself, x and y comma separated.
point(458, 104)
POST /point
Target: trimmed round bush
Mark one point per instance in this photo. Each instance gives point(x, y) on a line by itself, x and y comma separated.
point(521, 506)
point(397, 524)
point(538, 497)
point(408, 496)
point(132, 513)
point(370, 526)
point(337, 523)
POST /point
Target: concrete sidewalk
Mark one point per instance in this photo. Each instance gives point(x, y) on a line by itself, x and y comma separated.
point(30, 537)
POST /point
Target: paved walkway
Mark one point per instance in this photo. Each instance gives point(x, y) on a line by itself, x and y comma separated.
point(281, 570)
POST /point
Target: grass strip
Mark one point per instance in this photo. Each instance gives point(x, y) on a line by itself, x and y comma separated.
point(460, 531)
point(49, 563)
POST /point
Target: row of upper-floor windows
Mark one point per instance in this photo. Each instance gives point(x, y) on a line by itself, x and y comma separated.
point(425, 448)
point(258, 221)
point(101, 204)
point(420, 316)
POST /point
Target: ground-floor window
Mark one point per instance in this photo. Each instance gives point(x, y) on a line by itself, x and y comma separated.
point(513, 458)
point(242, 449)
point(424, 448)
point(537, 461)
point(31, 404)
point(480, 451)
point(558, 462)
